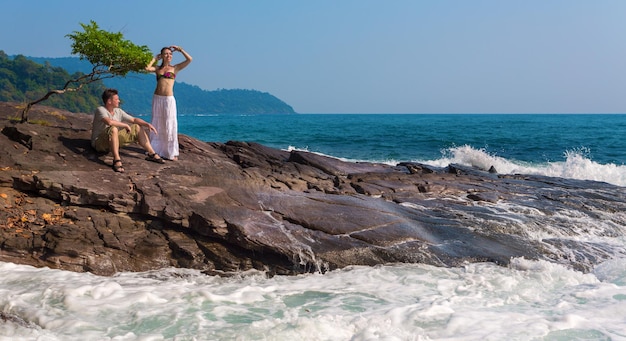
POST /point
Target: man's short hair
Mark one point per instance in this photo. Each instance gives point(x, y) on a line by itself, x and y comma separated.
point(108, 93)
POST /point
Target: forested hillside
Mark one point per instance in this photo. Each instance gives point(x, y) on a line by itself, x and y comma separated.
point(136, 93)
point(23, 80)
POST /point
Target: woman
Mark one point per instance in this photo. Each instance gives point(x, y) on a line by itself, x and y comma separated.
point(164, 119)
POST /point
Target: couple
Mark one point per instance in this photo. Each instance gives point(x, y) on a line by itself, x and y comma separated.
point(113, 127)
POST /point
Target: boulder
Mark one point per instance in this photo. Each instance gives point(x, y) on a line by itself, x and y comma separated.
point(235, 206)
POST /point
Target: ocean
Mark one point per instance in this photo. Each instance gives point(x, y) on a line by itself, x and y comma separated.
point(527, 300)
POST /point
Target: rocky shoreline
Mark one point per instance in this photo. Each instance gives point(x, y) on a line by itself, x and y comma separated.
point(230, 207)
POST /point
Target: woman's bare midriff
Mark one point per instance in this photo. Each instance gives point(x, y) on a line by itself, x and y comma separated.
point(165, 87)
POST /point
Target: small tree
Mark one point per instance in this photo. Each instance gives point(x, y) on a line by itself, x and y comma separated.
point(109, 53)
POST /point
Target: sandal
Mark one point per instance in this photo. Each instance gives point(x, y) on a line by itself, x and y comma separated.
point(117, 166)
point(155, 158)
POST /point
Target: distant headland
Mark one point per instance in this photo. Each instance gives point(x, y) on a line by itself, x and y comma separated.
point(138, 88)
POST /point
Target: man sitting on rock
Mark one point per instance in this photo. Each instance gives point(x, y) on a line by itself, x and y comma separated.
point(114, 128)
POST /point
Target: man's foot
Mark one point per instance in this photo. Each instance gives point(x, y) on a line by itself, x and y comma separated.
point(154, 157)
point(117, 166)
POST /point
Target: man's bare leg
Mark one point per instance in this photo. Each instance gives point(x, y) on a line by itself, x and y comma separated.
point(114, 146)
point(144, 141)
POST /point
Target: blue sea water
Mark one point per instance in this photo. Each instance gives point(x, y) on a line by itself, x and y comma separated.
point(528, 300)
point(579, 146)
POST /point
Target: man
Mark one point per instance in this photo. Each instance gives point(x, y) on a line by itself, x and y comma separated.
point(114, 128)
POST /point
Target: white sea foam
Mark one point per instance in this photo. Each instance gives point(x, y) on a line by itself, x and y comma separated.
point(576, 166)
point(528, 300)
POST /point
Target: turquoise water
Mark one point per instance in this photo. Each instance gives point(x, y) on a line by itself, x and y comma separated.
point(530, 138)
point(529, 300)
point(578, 146)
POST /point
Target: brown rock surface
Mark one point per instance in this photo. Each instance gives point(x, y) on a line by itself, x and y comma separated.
point(235, 206)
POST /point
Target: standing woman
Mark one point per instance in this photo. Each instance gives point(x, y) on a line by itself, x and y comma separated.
point(165, 142)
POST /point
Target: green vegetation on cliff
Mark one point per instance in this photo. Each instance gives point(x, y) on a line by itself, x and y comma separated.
point(23, 80)
point(136, 91)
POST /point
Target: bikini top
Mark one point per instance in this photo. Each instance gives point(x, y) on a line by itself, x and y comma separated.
point(168, 75)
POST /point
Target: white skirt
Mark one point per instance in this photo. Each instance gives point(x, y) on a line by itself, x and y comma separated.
point(164, 119)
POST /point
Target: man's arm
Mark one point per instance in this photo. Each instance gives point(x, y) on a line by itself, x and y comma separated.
point(115, 123)
point(103, 119)
point(143, 123)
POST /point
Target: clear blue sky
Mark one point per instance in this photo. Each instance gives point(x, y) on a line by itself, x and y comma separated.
point(366, 56)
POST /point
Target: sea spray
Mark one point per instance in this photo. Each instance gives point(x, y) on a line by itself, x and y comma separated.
point(575, 166)
point(481, 301)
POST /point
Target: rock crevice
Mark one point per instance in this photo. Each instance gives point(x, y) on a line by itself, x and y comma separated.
point(236, 206)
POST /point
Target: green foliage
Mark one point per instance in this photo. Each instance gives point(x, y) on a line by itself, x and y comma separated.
point(136, 90)
point(109, 52)
point(22, 78)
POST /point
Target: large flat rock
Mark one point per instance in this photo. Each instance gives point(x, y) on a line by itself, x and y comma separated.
point(227, 207)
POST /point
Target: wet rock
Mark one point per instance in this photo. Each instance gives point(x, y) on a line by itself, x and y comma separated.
point(238, 206)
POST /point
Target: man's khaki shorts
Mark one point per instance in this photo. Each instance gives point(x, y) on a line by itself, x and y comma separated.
point(124, 136)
